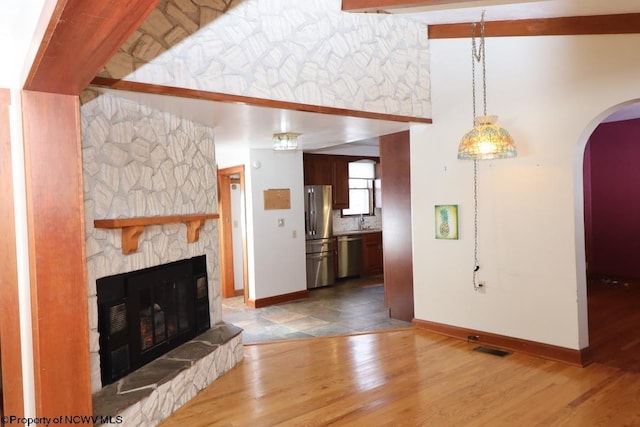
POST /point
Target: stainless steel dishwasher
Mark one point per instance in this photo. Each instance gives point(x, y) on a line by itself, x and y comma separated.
point(349, 255)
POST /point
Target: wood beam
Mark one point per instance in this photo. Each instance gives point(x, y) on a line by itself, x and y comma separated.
point(626, 23)
point(80, 38)
point(372, 6)
point(55, 213)
point(258, 102)
point(396, 225)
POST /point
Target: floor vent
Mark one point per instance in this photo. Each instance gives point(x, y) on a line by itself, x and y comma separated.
point(489, 350)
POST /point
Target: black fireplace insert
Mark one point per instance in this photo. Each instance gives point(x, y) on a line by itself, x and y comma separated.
point(145, 313)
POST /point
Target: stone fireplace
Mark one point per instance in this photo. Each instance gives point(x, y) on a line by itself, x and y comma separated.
point(146, 313)
point(142, 162)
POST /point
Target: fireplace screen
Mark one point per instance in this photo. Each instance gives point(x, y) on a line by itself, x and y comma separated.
point(145, 313)
point(164, 312)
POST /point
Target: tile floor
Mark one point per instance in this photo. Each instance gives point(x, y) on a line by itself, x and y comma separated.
point(348, 307)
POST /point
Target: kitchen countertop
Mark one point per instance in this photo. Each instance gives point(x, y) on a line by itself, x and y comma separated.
point(350, 232)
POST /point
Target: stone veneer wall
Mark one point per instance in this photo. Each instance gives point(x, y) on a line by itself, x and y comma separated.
point(291, 50)
point(142, 162)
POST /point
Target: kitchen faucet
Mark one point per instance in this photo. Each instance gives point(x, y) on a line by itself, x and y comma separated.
point(361, 222)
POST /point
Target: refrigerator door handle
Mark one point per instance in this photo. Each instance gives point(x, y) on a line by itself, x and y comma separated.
point(314, 217)
point(307, 213)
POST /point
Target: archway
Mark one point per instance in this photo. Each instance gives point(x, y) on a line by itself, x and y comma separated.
point(611, 275)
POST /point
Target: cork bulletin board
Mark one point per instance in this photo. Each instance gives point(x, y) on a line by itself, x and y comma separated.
point(277, 198)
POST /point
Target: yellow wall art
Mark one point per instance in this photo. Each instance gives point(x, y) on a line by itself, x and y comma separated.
point(446, 222)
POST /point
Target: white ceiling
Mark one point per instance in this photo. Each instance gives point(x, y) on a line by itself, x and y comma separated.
point(244, 125)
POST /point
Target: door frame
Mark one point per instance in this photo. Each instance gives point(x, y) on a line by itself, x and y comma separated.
point(226, 232)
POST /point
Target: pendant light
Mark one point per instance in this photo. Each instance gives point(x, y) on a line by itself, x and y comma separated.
point(486, 141)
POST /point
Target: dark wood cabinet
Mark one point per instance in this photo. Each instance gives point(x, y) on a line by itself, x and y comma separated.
point(340, 183)
point(372, 253)
point(318, 169)
point(325, 169)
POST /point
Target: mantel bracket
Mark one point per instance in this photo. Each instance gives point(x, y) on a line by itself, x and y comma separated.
point(130, 237)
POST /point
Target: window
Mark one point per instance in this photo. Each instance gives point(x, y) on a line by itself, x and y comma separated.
point(361, 188)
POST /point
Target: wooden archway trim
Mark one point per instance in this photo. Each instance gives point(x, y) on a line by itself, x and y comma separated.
point(81, 37)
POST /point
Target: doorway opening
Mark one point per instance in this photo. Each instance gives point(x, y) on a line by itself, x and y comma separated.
point(233, 240)
point(612, 239)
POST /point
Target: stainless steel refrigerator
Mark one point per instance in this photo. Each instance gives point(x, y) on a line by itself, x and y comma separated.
point(319, 235)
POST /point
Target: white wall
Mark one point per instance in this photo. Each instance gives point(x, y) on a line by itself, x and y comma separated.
point(276, 258)
point(20, 38)
point(308, 52)
point(550, 93)
point(227, 157)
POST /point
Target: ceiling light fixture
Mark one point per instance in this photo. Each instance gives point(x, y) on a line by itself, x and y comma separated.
point(486, 141)
point(285, 141)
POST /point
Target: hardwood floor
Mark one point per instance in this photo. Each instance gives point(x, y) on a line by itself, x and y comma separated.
point(614, 321)
point(413, 378)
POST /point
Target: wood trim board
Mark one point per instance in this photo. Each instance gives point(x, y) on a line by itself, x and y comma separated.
point(105, 82)
point(79, 39)
point(581, 357)
point(277, 299)
point(374, 5)
point(628, 23)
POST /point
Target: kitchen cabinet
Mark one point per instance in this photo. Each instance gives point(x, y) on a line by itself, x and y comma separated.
point(324, 169)
point(372, 253)
point(318, 169)
point(321, 169)
point(340, 184)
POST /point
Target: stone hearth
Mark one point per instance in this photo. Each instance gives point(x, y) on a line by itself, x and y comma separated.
point(150, 394)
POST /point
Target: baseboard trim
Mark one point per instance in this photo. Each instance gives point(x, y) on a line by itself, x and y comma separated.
point(277, 299)
point(580, 358)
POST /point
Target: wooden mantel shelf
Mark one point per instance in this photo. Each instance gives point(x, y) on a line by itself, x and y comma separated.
point(133, 227)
